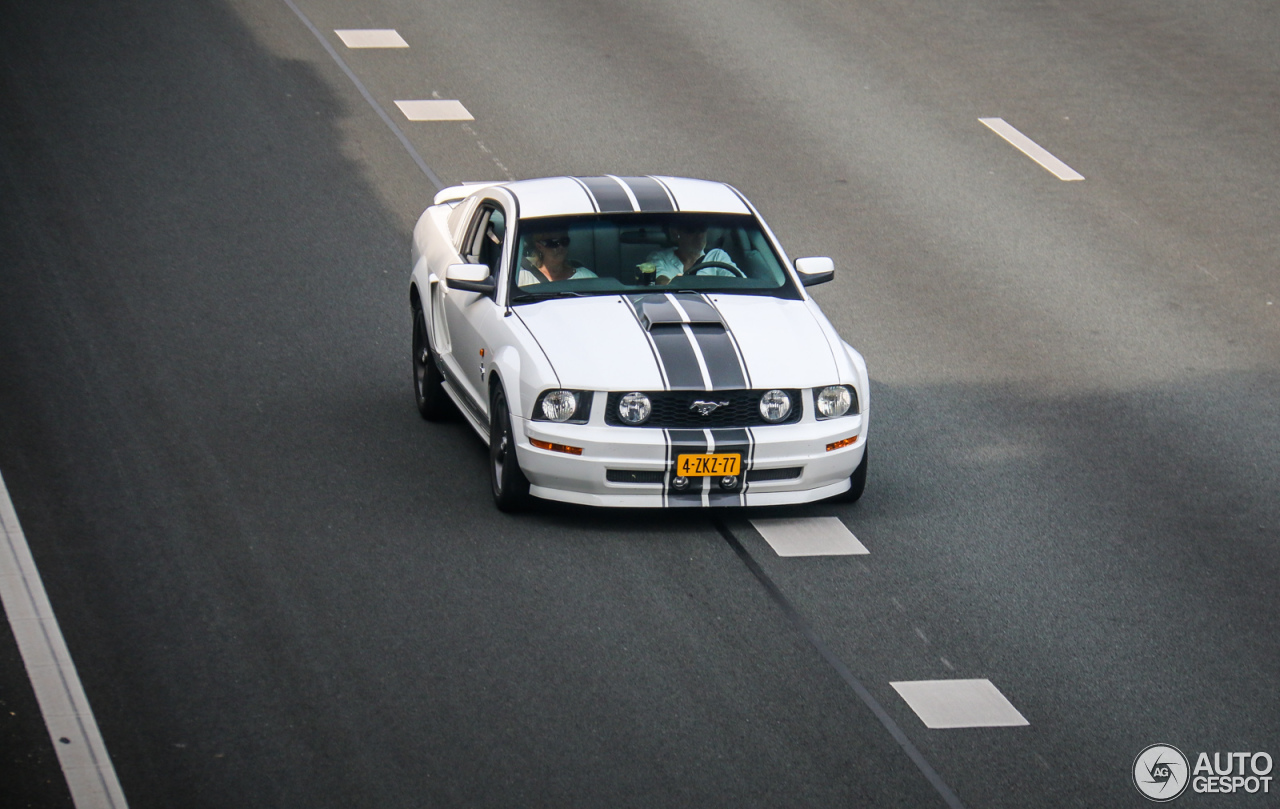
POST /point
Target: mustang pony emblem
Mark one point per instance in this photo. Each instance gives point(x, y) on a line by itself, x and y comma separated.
point(707, 408)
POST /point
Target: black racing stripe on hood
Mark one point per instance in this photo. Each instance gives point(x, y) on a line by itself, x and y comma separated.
point(689, 335)
point(719, 349)
point(673, 351)
point(610, 197)
point(654, 308)
point(678, 358)
point(698, 308)
point(718, 354)
point(651, 195)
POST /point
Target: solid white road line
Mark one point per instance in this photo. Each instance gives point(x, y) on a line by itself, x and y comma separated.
point(809, 536)
point(434, 110)
point(1031, 149)
point(959, 704)
point(83, 756)
point(371, 38)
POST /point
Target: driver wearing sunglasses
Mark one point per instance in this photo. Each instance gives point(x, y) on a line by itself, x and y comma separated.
point(546, 258)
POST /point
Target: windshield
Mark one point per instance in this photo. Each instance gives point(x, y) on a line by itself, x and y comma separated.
point(610, 254)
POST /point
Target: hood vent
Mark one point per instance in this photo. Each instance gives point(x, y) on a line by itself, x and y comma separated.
point(674, 310)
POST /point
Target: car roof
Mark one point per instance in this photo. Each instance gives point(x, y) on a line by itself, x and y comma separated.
point(567, 196)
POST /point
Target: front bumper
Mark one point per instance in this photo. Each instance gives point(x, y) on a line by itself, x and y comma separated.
point(798, 451)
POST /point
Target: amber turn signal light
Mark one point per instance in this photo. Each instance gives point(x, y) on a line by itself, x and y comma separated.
point(556, 447)
point(844, 442)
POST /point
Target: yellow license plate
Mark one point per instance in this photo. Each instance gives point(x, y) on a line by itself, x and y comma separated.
point(696, 466)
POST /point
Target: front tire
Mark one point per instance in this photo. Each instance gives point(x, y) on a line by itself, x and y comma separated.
point(858, 480)
point(428, 382)
point(510, 486)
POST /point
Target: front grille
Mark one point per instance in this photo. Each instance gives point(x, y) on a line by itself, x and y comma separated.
point(786, 473)
point(671, 409)
point(634, 476)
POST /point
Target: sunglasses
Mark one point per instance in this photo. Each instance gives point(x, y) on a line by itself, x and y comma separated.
point(551, 244)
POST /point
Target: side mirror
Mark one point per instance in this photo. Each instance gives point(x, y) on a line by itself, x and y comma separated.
point(469, 278)
point(815, 270)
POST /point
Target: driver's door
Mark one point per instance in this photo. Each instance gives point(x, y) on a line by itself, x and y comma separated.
point(474, 317)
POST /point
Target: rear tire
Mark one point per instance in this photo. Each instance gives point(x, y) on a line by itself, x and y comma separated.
point(428, 382)
point(858, 480)
point(510, 486)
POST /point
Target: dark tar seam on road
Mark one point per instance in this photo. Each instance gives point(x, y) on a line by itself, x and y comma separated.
point(793, 615)
point(386, 119)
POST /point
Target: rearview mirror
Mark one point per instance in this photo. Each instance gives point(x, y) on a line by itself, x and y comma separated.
point(470, 278)
point(815, 270)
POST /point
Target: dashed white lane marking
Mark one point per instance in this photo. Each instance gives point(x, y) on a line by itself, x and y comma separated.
point(959, 704)
point(371, 38)
point(1031, 149)
point(81, 752)
point(368, 97)
point(434, 109)
point(809, 536)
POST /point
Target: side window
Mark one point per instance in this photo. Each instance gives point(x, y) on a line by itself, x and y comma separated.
point(485, 244)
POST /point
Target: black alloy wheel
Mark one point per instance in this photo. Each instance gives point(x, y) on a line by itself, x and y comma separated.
point(510, 486)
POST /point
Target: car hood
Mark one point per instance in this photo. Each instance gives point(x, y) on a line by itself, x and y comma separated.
point(681, 342)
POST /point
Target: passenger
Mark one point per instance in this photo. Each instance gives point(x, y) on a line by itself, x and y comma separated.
point(690, 249)
point(546, 258)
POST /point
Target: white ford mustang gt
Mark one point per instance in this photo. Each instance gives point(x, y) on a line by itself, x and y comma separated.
point(633, 341)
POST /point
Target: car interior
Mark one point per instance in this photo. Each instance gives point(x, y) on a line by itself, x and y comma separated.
point(613, 247)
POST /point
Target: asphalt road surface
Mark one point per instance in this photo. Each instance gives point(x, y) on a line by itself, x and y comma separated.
point(281, 588)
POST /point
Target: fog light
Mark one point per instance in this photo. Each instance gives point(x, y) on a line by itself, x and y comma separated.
point(634, 408)
point(775, 405)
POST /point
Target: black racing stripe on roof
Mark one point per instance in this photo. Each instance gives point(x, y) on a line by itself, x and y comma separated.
point(670, 193)
point(651, 195)
point(590, 197)
point(610, 197)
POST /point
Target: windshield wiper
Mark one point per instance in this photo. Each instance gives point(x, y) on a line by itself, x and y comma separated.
point(559, 293)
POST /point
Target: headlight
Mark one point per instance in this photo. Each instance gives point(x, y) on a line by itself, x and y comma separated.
point(775, 405)
point(559, 405)
point(834, 401)
point(634, 408)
